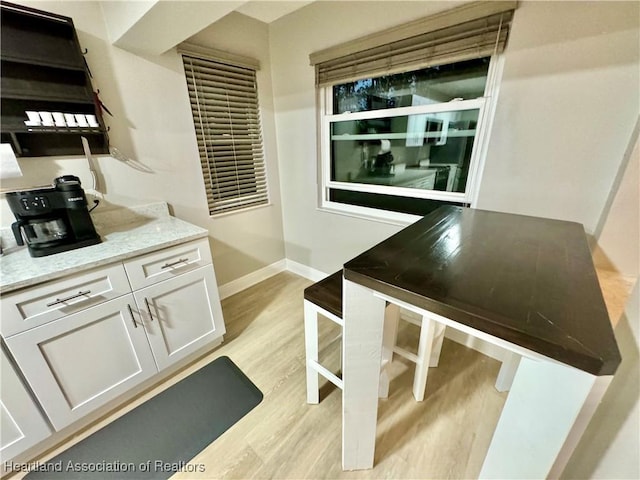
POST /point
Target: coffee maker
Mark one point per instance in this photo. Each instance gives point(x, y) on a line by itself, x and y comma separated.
point(52, 220)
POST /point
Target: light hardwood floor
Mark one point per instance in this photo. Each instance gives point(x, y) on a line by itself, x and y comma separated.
point(446, 436)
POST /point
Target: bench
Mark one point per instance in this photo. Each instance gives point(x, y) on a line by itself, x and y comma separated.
point(325, 298)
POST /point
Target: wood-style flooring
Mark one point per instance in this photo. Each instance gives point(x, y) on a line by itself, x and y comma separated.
point(446, 436)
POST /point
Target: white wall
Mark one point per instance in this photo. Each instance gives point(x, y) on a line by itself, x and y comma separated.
point(153, 129)
point(568, 103)
point(610, 447)
point(315, 238)
point(618, 246)
point(121, 16)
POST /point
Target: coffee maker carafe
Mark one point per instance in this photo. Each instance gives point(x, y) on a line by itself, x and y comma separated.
point(52, 220)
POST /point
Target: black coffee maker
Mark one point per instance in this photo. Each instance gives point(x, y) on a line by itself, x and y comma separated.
point(52, 220)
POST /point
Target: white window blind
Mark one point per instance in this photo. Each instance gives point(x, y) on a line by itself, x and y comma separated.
point(226, 114)
point(473, 30)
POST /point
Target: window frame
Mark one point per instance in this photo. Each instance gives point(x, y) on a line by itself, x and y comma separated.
point(486, 104)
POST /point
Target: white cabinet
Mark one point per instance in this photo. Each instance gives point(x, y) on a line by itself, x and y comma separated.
point(21, 423)
point(181, 314)
point(77, 359)
point(78, 363)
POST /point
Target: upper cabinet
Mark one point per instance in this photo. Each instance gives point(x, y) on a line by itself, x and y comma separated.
point(44, 73)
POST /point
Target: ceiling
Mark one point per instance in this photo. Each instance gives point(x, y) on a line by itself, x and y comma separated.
point(154, 27)
point(269, 11)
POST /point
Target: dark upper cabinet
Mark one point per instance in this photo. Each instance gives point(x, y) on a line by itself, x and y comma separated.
point(43, 69)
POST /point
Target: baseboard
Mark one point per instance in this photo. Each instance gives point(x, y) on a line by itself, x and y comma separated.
point(305, 271)
point(251, 279)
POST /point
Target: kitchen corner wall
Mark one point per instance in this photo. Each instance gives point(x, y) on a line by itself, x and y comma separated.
point(567, 106)
point(153, 131)
point(569, 102)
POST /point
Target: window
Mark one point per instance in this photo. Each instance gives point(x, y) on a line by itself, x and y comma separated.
point(226, 114)
point(403, 124)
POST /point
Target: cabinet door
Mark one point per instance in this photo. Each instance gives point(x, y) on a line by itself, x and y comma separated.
point(80, 362)
point(21, 423)
point(181, 314)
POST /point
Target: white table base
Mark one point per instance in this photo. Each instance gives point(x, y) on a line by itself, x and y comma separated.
point(547, 410)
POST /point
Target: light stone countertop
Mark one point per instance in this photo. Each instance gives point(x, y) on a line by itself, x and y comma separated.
point(125, 233)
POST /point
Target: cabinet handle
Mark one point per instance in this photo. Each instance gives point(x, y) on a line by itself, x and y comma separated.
point(135, 325)
point(148, 308)
point(62, 300)
point(180, 260)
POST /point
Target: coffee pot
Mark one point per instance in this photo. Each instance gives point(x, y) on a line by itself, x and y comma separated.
point(52, 220)
point(40, 231)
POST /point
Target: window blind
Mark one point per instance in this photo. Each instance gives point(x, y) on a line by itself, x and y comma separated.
point(226, 114)
point(470, 31)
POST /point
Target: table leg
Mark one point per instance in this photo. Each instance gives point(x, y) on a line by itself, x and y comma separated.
point(507, 371)
point(363, 315)
point(437, 344)
point(548, 408)
point(389, 337)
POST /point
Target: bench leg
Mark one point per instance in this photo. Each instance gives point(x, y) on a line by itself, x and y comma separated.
point(311, 347)
point(389, 335)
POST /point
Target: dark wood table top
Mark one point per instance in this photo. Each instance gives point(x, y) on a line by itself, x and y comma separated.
point(527, 280)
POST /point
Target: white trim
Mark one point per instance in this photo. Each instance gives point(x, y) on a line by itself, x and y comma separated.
point(366, 213)
point(483, 137)
point(305, 271)
point(442, 107)
point(251, 279)
point(399, 191)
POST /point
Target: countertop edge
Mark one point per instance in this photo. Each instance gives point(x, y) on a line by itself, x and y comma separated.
point(119, 242)
point(39, 279)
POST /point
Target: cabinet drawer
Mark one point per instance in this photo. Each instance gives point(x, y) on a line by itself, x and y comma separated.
point(36, 306)
point(157, 266)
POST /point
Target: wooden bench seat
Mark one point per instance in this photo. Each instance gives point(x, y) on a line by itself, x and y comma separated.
point(325, 298)
point(327, 293)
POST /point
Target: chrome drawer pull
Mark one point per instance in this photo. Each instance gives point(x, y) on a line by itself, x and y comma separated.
point(135, 325)
point(62, 300)
point(148, 309)
point(181, 260)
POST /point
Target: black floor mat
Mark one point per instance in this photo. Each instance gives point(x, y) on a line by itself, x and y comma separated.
point(158, 438)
